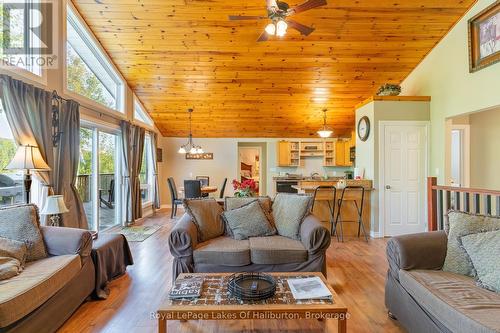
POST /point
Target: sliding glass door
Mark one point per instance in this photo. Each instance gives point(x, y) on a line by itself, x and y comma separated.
point(99, 175)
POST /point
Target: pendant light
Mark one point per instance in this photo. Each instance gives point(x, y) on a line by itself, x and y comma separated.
point(190, 147)
point(325, 131)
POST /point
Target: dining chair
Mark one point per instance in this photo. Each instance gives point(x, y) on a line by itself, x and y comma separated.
point(223, 188)
point(192, 189)
point(174, 197)
point(205, 180)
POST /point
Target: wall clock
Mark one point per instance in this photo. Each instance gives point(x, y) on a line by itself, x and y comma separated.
point(364, 128)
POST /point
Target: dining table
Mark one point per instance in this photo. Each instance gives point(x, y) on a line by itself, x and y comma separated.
point(204, 189)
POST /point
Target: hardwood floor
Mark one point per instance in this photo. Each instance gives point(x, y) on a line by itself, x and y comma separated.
point(356, 270)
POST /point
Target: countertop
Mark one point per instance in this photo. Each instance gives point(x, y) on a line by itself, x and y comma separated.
point(366, 183)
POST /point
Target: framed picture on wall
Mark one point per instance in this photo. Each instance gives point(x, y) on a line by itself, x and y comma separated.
point(484, 38)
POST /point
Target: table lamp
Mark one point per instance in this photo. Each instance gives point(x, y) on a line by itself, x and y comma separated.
point(27, 158)
point(54, 206)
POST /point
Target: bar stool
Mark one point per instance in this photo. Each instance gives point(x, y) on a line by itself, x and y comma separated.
point(359, 210)
point(331, 207)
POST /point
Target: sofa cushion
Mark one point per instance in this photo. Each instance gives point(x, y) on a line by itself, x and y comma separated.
point(275, 250)
point(38, 282)
point(248, 221)
point(206, 215)
point(484, 251)
point(289, 210)
point(22, 223)
point(223, 251)
point(454, 300)
point(458, 225)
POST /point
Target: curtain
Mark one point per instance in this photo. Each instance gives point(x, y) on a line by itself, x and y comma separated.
point(156, 187)
point(67, 157)
point(132, 149)
point(28, 111)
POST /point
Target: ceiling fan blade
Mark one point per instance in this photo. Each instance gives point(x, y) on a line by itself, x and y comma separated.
point(303, 29)
point(242, 17)
point(306, 6)
point(264, 36)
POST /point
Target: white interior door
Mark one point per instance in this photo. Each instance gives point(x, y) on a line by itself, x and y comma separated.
point(404, 172)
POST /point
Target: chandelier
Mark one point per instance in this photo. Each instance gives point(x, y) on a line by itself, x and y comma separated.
point(190, 147)
point(325, 131)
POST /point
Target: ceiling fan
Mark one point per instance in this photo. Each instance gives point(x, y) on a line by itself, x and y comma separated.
point(279, 12)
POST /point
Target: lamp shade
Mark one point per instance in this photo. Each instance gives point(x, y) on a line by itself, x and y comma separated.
point(27, 158)
point(54, 205)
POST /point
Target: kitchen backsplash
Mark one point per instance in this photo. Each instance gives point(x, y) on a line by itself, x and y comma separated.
point(311, 165)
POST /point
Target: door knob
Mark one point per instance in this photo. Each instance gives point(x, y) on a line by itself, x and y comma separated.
point(387, 187)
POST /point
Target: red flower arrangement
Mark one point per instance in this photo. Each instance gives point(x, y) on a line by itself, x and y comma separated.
point(246, 188)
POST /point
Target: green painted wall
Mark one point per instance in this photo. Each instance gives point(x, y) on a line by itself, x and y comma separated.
point(444, 75)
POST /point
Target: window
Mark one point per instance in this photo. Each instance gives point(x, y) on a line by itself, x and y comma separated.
point(88, 72)
point(146, 175)
point(141, 114)
point(17, 23)
point(11, 181)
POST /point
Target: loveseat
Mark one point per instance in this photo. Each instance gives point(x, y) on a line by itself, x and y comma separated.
point(50, 289)
point(424, 298)
point(257, 254)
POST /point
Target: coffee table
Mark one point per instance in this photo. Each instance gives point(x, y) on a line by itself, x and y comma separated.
point(215, 303)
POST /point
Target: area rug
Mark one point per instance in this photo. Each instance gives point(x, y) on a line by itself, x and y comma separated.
point(138, 233)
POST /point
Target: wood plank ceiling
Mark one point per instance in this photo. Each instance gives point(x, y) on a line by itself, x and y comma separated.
point(178, 54)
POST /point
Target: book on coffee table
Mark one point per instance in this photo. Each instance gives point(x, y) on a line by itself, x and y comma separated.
point(187, 287)
point(309, 288)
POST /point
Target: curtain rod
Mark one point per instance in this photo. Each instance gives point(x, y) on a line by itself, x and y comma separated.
point(56, 96)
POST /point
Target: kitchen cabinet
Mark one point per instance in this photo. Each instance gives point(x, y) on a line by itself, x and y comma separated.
point(335, 152)
point(288, 154)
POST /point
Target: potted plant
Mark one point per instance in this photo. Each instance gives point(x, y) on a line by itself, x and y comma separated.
point(246, 188)
point(389, 90)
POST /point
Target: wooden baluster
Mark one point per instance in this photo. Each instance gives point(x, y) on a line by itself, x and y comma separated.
point(467, 202)
point(476, 202)
point(498, 205)
point(457, 201)
point(487, 205)
point(440, 210)
point(448, 201)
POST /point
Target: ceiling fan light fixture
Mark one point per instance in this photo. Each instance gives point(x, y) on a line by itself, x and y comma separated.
point(281, 27)
point(271, 29)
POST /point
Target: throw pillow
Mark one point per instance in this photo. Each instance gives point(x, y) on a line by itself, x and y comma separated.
point(206, 215)
point(461, 224)
point(484, 251)
point(22, 223)
point(236, 202)
point(289, 210)
point(248, 221)
point(9, 267)
point(13, 249)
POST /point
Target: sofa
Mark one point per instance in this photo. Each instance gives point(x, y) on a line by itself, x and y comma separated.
point(256, 254)
point(45, 294)
point(424, 298)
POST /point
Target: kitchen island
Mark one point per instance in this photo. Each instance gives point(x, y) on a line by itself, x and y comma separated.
point(348, 212)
